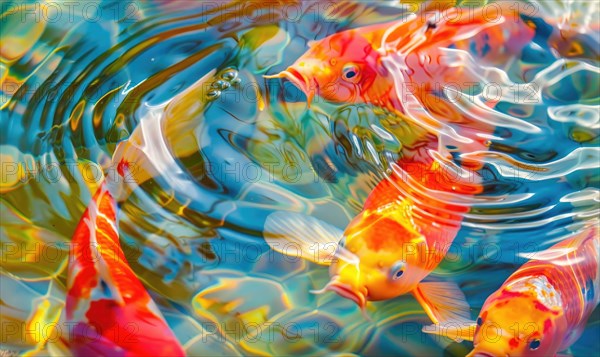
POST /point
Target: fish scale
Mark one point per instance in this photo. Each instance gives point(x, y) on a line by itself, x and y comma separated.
point(570, 278)
point(543, 307)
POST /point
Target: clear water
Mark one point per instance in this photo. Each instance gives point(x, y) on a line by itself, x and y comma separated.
point(79, 79)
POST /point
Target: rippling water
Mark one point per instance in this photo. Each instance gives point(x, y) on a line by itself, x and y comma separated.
point(179, 85)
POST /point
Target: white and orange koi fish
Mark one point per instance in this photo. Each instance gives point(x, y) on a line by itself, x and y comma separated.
point(543, 307)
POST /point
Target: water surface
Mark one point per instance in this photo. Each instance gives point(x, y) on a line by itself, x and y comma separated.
point(237, 147)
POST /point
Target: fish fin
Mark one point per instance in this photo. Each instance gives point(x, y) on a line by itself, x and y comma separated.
point(296, 234)
point(442, 301)
point(458, 331)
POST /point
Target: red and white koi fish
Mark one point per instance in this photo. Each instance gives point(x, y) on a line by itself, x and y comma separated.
point(111, 311)
point(543, 307)
point(108, 309)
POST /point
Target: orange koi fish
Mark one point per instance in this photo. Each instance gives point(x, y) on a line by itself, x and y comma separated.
point(108, 309)
point(401, 236)
point(543, 307)
point(350, 66)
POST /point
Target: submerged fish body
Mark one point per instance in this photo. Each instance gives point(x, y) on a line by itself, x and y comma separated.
point(427, 49)
point(543, 307)
point(399, 238)
point(349, 66)
point(107, 307)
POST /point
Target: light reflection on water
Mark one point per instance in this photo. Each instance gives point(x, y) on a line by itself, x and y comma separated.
point(232, 147)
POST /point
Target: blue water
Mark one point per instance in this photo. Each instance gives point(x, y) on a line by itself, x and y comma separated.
point(74, 87)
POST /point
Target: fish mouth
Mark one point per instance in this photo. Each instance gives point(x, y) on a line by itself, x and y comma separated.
point(299, 80)
point(346, 291)
point(297, 77)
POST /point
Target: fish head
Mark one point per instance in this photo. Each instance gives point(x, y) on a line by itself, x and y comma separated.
point(341, 68)
point(519, 323)
point(388, 260)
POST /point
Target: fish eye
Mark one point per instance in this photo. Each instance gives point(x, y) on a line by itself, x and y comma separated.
point(397, 270)
point(479, 321)
point(534, 344)
point(350, 73)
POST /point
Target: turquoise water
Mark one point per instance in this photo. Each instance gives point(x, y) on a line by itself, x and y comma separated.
point(229, 155)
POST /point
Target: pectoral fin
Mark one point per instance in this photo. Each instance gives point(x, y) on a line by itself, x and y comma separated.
point(299, 235)
point(443, 302)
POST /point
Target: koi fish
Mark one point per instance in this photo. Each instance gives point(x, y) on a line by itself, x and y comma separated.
point(112, 312)
point(108, 308)
point(350, 66)
point(401, 236)
point(543, 307)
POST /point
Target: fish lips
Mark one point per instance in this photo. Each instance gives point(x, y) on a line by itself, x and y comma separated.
point(346, 291)
point(299, 80)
